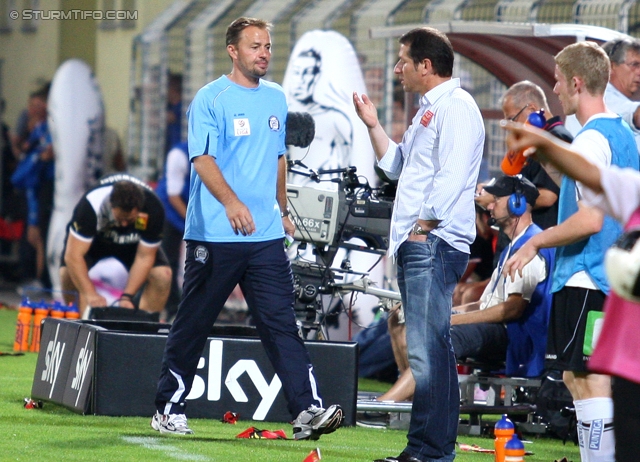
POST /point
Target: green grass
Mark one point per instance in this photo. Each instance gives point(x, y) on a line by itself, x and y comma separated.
point(55, 433)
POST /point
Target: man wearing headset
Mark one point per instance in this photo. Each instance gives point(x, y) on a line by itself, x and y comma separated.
point(511, 318)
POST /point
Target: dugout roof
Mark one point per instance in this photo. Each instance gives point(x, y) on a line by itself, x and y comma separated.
point(511, 51)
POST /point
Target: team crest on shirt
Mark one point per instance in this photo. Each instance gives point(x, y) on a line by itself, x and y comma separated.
point(274, 123)
point(201, 253)
point(141, 221)
point(426, 118)
point(241, 127)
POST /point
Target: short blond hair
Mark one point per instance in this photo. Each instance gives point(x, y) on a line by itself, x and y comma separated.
point(588, 61)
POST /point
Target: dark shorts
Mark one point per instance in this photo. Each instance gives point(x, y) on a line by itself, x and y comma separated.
point(126, 254)
point(567, 326)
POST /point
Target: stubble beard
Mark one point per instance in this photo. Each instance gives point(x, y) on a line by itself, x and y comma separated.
point(259, 72)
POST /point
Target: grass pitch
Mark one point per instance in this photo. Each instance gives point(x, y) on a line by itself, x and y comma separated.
point(55, 433)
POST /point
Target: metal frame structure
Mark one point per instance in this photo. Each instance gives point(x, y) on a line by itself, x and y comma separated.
point(509, 52)
point(490, 55)
point(199, 50)
point(156, 51)
point(148, 92)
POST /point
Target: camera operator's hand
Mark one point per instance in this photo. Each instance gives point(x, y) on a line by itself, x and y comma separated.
point(240, 218)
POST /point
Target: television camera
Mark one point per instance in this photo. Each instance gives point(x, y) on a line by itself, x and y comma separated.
point(353, 216)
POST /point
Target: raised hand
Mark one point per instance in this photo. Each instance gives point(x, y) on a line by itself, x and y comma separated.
point(366, 110)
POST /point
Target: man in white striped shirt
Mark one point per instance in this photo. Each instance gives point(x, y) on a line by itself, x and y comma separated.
point(433, 224)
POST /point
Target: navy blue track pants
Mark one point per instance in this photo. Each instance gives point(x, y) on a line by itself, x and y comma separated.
point(212, 270)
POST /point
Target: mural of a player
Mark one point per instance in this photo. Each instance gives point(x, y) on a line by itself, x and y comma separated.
point(321, 76)
point(331, 147)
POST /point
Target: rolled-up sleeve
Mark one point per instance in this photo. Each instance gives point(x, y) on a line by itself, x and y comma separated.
point(391, 162)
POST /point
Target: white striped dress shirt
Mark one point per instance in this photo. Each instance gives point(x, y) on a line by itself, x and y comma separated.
point(437, 164)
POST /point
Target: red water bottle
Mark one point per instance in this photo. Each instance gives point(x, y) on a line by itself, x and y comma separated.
point(23, 326)
point(514, 160)
point(503, 431)
point(514, 450)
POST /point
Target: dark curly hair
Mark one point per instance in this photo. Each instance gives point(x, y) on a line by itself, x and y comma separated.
point(127, 196)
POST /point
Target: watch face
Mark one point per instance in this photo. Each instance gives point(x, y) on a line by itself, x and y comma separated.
point(417, 230)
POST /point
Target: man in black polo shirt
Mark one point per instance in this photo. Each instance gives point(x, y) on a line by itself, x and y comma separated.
point(120, 218)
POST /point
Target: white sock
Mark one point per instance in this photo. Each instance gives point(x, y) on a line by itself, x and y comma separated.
point(597, 420)
point(584, 457)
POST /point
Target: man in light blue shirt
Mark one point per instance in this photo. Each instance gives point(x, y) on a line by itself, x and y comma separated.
point(433, 224)
point(235, 224)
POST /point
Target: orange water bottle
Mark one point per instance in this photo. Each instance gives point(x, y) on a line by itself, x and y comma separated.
point(514, 160)
point(41, 312)
point(58, 310)
point(23, 326)
point(72, 312)
point(503, 431)
point(514, 450)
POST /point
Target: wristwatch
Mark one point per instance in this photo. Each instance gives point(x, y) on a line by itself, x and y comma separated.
point(418, 231)
point(286, 213)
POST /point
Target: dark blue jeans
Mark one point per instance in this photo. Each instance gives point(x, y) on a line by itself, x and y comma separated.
point(484, 342)
point(427, 274)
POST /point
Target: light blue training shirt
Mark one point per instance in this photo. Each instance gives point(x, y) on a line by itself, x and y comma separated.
point(244, 130)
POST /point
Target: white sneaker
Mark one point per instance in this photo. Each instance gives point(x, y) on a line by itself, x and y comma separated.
point(175, 424)
point(316, 421)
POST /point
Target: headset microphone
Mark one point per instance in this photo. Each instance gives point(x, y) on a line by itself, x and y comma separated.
point(494, 221)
